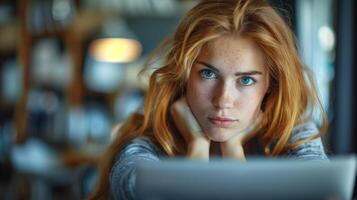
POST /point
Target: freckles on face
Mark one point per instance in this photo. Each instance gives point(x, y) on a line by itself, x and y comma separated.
point(227, 84)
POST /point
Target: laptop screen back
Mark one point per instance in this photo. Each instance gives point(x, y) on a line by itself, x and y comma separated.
point(258, 178)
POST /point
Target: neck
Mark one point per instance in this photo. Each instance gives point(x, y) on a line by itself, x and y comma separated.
point(215, 149)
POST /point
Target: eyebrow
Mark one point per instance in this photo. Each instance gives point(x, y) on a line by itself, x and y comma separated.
point(253, 72)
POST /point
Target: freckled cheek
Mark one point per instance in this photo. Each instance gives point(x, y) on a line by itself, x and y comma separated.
point(201, 90)
point(251, 100)
point(199, 98)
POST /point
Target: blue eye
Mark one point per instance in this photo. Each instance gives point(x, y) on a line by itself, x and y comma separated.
point(208, 74)
point(247, 81)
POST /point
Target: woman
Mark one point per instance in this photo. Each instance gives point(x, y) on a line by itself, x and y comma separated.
point(231, 84)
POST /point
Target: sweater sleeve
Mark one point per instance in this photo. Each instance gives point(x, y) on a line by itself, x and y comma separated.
point(312, 150)
point(123, 173)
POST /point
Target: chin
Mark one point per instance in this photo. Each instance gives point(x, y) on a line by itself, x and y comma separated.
point(220, 137)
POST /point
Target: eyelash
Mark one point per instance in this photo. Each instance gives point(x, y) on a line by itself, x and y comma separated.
point(203, 74)
point(244, 77)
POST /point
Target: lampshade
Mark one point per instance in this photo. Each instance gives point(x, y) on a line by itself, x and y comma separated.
point(117, 43)
point(121, 50)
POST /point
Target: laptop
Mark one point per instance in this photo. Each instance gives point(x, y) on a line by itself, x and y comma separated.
point(258, 178)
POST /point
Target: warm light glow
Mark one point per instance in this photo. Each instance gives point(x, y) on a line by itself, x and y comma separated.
point(326, 38)
point(115, 50)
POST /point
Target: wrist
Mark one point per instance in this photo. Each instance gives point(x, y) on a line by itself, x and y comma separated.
point(233, 150)
point(199, 149)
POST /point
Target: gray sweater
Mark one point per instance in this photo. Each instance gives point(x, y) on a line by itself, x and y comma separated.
point(122, 176)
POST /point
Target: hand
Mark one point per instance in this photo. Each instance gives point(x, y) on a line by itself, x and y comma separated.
point(198, 143)
point(233, 148)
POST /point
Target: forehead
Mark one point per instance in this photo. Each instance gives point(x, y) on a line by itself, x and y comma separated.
point(234, 51)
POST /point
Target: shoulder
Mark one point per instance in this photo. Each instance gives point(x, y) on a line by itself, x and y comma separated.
point(303, 131)
point(122, 175)
point(311, 150)
point(141, 146)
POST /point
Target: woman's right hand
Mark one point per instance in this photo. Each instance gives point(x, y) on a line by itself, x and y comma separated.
point(198, 143)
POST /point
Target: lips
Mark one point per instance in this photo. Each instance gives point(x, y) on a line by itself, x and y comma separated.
point(224, 122)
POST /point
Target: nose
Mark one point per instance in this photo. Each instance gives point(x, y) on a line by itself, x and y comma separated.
point(224, 96)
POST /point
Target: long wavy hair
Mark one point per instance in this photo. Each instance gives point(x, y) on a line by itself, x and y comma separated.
point(292, 95)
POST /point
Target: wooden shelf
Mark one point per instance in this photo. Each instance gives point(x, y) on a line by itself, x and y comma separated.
point(73, 46)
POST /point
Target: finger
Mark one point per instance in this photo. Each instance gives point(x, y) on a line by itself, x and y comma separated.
point(184, 118)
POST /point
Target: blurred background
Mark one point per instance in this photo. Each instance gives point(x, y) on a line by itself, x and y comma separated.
point(68, 74)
